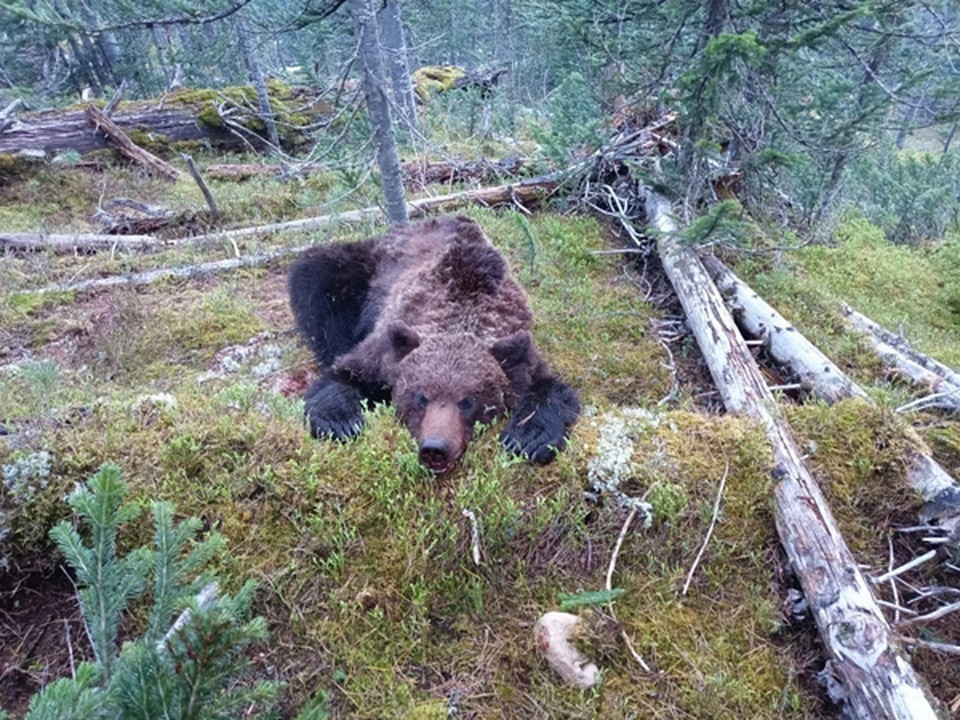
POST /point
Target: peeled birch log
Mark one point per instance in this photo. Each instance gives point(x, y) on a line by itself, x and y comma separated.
point(828, 382)
point(878, 680)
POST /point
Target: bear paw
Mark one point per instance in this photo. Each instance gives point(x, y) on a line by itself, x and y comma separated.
point(334, 409)
point(538, 428)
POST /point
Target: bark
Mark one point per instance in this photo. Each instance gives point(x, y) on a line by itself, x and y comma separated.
point(828, 382)
point(126, 146)
point(395, 46)
point(378, 108)
point(878, 680)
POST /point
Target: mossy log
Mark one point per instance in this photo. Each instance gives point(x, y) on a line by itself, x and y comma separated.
point(186, 116)
point(828, 382)
point(864, 656)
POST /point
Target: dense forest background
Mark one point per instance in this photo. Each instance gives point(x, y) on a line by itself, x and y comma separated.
point(806, 102)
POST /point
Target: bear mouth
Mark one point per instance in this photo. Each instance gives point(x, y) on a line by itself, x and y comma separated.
point(437, 457)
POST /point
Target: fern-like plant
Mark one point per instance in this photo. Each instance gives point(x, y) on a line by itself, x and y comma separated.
point(190, 662)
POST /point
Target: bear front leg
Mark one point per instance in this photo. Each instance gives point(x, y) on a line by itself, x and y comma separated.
point(541, 422)
point(334, 408)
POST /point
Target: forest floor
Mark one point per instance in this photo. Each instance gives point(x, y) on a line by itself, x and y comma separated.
point(363, 559)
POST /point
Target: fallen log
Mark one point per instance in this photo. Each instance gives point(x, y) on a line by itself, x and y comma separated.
point(878, 680)
point(185, 115)
point(129, 148)
point(522, 192)
point(828, 382)
point(526, 192)
point(897, 354)
point(416, 174)
point(75, 243)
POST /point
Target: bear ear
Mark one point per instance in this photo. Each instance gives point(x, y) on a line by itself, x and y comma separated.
point(403, 340)
point(513, 350)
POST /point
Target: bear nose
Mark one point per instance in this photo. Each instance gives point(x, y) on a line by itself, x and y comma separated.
point(435, 454)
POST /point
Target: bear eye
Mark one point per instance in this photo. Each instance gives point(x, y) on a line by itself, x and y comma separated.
point(466, 405)
point(420, 400)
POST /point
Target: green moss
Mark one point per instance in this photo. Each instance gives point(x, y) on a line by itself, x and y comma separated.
point(434, 79)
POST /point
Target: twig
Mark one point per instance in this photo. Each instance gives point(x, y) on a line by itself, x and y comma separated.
point(474, 535)
point(928, 401)
point(905, 567)
point(66, 629)
point(893, 582)
point(931, 616)
point(935, 646)
point(613, 564)
point(713, 524)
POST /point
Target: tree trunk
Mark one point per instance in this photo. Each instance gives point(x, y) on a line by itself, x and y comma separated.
point(255, 73)
point(374, 90)
point(878, 680)
point(395, 46)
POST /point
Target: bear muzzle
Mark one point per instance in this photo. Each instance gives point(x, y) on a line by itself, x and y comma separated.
point(442, 438)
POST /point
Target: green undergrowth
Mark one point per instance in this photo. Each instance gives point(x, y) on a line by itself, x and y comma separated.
point(908, 287)
point(364, 560)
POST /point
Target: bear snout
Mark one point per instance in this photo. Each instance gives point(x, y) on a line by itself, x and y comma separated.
point(435, 454)
point(441, 438)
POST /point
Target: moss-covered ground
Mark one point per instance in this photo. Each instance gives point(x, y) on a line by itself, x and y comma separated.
point(364, 560)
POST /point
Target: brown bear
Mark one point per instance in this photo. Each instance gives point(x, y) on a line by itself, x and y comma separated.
point(429, 317)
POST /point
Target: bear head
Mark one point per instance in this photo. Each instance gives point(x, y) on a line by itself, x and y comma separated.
point(443, 385)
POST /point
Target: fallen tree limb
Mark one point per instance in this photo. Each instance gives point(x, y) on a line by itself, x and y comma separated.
point(525, 192)
point(78, 242)
point(828, 382)
point(897, 354)
point(129, 148)
point(878, 680)
point(529, 191)
point(180, 272)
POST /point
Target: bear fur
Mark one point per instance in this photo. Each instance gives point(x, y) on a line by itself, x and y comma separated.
point(430, 318)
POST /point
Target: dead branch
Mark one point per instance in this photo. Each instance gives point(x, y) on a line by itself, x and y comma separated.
point(528, 192)
point(877, 677)
point(182, 271)
point(76, 243)
point(126, 146)
point(198, 179)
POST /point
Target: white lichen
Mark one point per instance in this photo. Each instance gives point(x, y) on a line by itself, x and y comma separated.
point(612, 464)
